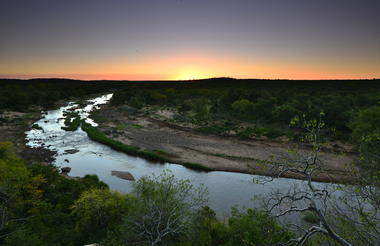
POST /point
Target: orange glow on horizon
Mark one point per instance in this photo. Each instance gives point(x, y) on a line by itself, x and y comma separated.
point(189, 66)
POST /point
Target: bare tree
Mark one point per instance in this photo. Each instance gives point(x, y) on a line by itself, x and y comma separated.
point(313, 197)
point(361, 202)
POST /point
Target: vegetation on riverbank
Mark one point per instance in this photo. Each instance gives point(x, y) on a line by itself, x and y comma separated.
point(155, 156)
point(38, 206)
point(220, 153)
point(35, 202)
point(72, 121)
point(242, 108)
point(254, 108)
point(100, 137)
point(36, 127)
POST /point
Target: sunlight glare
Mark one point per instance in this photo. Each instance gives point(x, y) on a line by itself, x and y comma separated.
point(189, 75)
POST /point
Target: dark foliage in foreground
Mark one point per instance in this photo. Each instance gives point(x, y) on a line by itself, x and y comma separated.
point(41, 207)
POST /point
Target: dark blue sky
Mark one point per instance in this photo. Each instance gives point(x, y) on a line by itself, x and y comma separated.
point(188, 38)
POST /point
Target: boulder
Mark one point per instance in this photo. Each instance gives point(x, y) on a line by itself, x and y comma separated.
point(65, 170)
point(123, 175)
point(71, 151)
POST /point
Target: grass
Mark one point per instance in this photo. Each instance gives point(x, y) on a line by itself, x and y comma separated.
point(156, 155)
point(164, 153)
point(136, 126)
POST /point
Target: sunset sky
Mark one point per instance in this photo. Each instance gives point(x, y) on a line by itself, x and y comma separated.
point(190, 39)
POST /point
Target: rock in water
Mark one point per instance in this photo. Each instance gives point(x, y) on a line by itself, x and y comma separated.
point(71, 151)
point(65, 170)
point(123, 175)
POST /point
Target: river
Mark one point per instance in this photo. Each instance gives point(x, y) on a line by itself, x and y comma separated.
point(226, 189)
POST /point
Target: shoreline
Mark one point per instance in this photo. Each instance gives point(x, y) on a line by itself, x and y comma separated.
point(14, 130)
point(179, 145)
point(14, 126)
point(161, 141)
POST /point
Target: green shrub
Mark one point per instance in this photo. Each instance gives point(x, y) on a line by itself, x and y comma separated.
point(243, 108)
point(284, 113)
point(196, 166)
point(38, 203)
point(365, 123)
point(137, 102)
point(37, 127)
point(185, 106)
point(72, 121)
point(99, 210)
point(214, 129)
point(201, 109)
point(310, 217)
point(100, 137)
point(156, 96)
point(163, 210)
point(246, 133)
point(255, 228)
point(208, 230)
point(273, 133)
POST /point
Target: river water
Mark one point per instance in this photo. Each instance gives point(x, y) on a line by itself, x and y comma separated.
point(226, 189)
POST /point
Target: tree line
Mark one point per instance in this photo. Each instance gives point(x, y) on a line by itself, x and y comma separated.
point(217, 104)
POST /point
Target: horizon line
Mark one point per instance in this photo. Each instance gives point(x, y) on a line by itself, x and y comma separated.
point(176, 80)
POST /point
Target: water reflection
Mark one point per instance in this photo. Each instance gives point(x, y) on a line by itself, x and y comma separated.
point(226, 189)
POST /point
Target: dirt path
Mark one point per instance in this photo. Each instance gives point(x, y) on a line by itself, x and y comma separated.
point(215, 152)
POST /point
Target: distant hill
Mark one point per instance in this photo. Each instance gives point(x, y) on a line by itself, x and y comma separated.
point(209, 80)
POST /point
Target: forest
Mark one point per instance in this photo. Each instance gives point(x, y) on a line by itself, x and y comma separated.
point(217, 105)
point(39, 206)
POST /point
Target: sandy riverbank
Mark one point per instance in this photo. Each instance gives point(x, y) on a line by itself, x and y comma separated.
point(216, 152)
